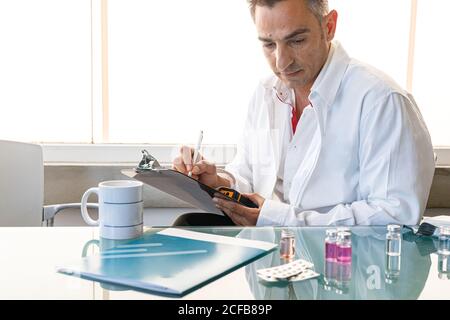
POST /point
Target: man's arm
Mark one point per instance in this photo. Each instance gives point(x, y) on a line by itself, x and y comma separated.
point(396, 171)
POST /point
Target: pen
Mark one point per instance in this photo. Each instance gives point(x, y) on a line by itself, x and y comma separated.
point(197, 150)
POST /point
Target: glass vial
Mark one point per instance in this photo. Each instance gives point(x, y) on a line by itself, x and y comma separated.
point(330, 273)
point(394, 240)
point(392, 271)
point(344, 277)
point(344, 247)
point(330, 245)
point(444, 240)
point(344, 261)
point(287, 245)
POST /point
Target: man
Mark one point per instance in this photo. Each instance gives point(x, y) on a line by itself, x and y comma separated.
point(328, 140)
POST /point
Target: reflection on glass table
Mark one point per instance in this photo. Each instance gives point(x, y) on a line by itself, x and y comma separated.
point(370, 273)
point(30, 255)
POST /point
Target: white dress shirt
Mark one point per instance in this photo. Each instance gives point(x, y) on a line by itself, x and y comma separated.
point(361, 155)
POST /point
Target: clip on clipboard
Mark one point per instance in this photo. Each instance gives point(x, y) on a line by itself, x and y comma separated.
point(181, 186)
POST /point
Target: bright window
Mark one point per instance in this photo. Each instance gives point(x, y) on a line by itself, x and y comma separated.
point(45, 77)
point(176, 67)
point(432, 68)
point(376, 32)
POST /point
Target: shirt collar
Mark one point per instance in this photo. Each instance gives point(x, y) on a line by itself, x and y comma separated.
point(330, 77)
point(327, 83)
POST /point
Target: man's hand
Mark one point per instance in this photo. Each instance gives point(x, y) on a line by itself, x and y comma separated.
point(203, 171)
point(241, 215)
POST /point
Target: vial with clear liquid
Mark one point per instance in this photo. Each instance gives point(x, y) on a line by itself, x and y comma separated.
point(287, 245)
point(331, 245)
point(444, 240)
point(394, 240)
point(392, 271)
point(344, 247)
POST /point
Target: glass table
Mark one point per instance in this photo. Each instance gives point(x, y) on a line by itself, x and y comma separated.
point(30, 256)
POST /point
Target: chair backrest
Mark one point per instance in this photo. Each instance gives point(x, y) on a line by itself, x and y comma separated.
point(21, 184)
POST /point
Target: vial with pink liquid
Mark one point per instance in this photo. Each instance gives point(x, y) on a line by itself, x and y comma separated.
point(344, 247)
point(331, 245)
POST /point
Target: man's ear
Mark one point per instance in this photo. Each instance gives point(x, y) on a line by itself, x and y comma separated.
point(330, 23)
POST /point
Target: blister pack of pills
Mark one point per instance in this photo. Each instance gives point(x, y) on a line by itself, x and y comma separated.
point(297, 270)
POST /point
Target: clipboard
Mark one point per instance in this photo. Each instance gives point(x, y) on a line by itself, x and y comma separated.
point(181, 186)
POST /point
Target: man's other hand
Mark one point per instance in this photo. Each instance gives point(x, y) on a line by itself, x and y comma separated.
point(241, 215)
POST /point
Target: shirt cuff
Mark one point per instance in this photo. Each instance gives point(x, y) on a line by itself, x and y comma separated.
point(273, 213)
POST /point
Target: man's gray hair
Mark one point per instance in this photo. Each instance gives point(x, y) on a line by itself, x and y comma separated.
point(318, 7)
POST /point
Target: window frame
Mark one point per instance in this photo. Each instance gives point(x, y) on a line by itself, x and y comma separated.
point(129, 154)
point(125, 154)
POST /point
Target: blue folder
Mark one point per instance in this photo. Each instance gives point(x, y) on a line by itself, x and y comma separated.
point(172, 262)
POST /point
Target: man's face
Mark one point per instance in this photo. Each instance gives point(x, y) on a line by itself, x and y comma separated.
point(295, 42)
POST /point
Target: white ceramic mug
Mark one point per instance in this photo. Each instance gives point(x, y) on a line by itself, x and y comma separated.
point(120, 209)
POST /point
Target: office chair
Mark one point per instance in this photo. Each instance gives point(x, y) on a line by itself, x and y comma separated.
point(22, 187)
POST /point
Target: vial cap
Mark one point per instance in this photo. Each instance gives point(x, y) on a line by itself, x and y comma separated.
point(394, 228)
point(444, 230)
point(331, 233)
point(344, 235)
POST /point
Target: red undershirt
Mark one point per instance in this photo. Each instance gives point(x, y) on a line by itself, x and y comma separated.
point(294, 119)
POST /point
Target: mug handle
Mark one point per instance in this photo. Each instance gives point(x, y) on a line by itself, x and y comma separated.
point(84, 210)
point(87, 245)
